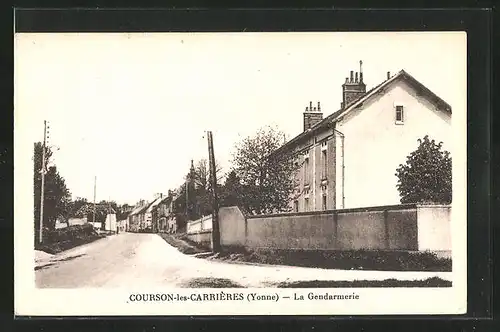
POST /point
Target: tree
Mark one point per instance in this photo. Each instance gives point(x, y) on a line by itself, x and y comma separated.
point(77, 204)
point(267, 177)
point(122, 211)
point(72, 208)
point(57, 197)
point(203, 187)
point(87, 211)
point(231, 190)
point(426, 175)
point(185, 204)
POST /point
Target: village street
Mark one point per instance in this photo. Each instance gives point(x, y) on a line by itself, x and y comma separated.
point(130, 260)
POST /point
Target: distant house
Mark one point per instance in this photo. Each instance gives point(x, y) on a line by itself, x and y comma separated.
point(136, 217)
point(122, 225)
point(163, 214)
point(148, 213)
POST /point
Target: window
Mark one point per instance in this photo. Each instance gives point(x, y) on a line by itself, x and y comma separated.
point(399, 114)
point(296, 206)
point(324, 170)
point(306, 170)
point(324, 202)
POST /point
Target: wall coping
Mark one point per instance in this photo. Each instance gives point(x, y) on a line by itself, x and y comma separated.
point(197, 221)
point(200, 232)
point(326, 212)
point(434, 206)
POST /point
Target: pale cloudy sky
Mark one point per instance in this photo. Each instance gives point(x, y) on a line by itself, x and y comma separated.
point(132, 109)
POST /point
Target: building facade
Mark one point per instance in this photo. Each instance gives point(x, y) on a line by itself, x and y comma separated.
point(136, 218)
point(163, 214)
point(349, 159)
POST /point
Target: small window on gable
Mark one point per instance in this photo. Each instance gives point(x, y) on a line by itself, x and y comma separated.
point(399, 114)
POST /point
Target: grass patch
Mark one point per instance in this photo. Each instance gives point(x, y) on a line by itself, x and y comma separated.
point(430, 282)
point(210, 283)
point(183, 244)
point(66, 238)
point(344, 260)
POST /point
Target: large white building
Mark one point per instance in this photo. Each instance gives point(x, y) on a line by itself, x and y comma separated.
point(349, 158)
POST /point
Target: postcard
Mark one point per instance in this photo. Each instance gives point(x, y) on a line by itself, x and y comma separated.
point(287, 173)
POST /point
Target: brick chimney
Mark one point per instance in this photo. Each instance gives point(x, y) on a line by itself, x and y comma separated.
point(354, 87)
point(312, 116)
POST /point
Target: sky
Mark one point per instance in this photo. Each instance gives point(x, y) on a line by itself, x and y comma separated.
point(131, 110)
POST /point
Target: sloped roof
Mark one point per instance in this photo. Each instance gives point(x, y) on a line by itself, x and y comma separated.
point(154, 203)
point(422, 89)
point(167, 198)
point(139, 209)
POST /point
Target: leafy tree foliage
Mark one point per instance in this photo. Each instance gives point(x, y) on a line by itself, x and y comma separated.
point(267, 177)
point(57, 197)
point(185, 203)
point(199, 197)
point(77, 204)
point(101, 211)
point(426, 175)
point(231, 191)
point(203, 187)
point(122, 211)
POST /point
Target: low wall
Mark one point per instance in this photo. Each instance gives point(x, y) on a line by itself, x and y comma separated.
point(398, 227)
point(232, 227)
point(203, 237)
point(386, 228)
point(434, 224)
point(77, 221)
point(202, 224)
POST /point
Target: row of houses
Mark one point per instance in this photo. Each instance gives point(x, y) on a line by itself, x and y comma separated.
point(155, 216)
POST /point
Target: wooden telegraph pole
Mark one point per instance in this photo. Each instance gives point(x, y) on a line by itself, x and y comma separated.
point(93, 216)
point(187, 197)
point(215, 202)
point(43, 180)
point(109, 214)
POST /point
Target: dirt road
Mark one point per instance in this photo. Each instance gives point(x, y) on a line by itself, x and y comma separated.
point(146, 260)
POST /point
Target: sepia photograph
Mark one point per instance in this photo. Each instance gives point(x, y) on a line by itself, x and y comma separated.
point(240, 173)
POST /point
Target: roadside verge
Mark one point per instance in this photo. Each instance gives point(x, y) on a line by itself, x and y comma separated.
point(373, 260)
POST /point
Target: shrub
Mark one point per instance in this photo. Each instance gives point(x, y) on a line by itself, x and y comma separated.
point(66, 238)
point(426, 175)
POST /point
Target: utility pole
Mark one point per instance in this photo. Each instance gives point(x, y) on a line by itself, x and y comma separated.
point(42, 189)
point(93, 218)
point(187, 199)
point(215, 202)
point(109, 213)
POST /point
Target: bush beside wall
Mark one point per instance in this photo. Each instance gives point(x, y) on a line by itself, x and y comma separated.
point(62, 239)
